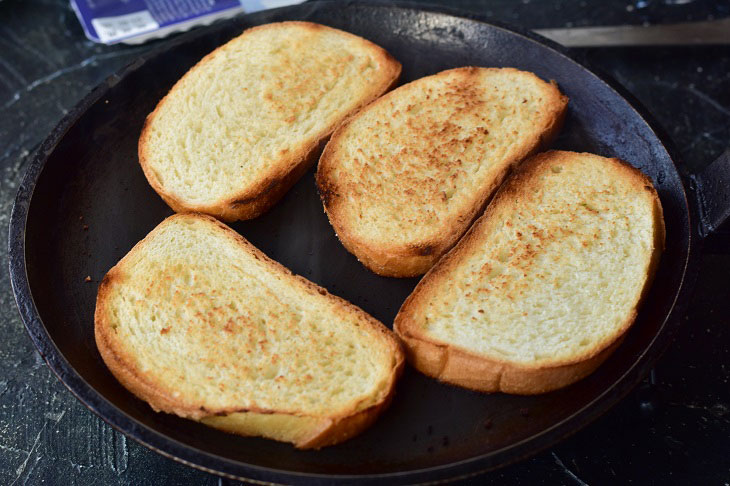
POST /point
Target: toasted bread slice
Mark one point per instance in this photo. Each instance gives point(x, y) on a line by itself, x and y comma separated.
point(243, 125)
point(543, 287)
point(199, 323)
point(403, 179)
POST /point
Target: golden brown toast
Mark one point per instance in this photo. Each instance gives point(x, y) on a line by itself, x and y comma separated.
point(403, 179)
point(544, 285)
point(244, 124)
point(198, 322)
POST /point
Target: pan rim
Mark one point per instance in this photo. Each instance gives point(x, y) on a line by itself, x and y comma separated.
point(122, 422)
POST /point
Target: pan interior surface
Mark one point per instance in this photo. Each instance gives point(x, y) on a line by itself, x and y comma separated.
point(91, 204)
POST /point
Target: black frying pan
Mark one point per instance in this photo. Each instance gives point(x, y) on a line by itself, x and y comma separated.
point(84, 203)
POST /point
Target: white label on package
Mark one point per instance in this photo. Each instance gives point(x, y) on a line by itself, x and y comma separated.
point(110, 29)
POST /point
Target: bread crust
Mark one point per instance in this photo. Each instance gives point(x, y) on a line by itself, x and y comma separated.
point(258, 198)
point(455, 366)
point(452, 364)
point(311, 431)
point(417, 257)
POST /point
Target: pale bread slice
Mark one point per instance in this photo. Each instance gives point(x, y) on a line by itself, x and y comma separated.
point(199, 323)
point(403, 179)
point(543, 287)
point(244, 124)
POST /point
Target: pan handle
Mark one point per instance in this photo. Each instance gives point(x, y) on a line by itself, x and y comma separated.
point(712, 187)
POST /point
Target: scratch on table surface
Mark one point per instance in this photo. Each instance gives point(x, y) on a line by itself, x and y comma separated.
point(121, 455)
point(57, 74)
point(14, 72)
point(709, 100)
point(699, 94)
point(6, 81)
point(718, 411)
point(707, 135)
point(58, 416)
point(13, 147)
point(14, 450)
point(68, 435)
point(109, 449)
point(22, 467)
point(77, 467)
point(567, 471)
point(11, 39)
point(55, 419)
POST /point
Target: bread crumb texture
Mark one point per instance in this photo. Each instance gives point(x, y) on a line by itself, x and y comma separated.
point(216, 327)
point(418, 163)
point(251, 109)
point(553, 272)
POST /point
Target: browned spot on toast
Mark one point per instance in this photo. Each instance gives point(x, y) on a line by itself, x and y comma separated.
point(326, 194)
point(424, 250)
point(269, 187)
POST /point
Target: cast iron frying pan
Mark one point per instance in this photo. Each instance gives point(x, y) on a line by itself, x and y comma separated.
point(86, 175)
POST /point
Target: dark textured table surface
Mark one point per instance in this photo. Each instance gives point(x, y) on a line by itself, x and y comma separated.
point(676, 431)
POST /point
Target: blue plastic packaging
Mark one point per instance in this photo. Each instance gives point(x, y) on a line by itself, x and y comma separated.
point(136, 21)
